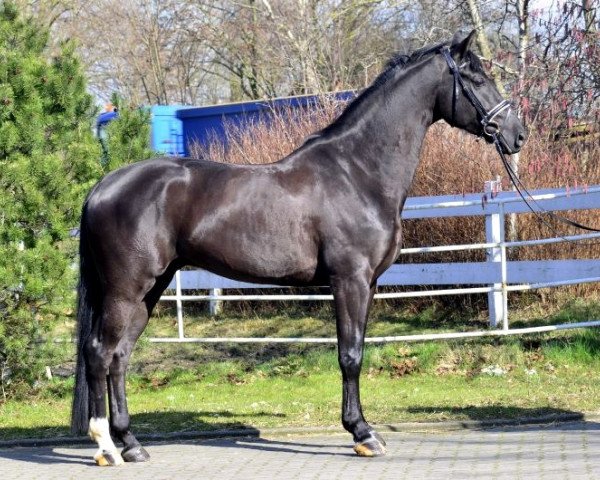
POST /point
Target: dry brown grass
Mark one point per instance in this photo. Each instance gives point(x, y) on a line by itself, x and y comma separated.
point(452, 162)
point(269, 138)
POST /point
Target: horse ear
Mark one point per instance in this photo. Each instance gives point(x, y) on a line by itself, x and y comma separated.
point(461, 43)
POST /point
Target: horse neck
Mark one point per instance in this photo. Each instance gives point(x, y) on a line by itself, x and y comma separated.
point(383, 137)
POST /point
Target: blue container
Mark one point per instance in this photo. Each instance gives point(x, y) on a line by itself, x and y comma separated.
point(166, 134)
point(202, 124)
point(174, 128)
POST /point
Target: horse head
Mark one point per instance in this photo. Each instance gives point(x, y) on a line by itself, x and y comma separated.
point(468, 98)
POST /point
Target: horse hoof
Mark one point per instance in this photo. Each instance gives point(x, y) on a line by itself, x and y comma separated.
point(137, 453)
point(372, 447)
point(378, 437)
point(108, 459)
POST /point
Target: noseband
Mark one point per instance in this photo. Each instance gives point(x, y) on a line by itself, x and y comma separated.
point(490, 127)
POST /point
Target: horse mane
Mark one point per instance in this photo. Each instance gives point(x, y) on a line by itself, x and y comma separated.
point(397, 62)
point(401, 61)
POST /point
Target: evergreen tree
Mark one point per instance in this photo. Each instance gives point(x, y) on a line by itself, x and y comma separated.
point(49, 159)
point(128, 137)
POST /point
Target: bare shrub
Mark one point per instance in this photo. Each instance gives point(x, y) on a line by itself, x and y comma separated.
point(273, 135)
point(569, 163)
point(452, 162)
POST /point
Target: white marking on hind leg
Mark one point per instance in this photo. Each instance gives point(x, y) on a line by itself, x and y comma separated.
point(100, 433)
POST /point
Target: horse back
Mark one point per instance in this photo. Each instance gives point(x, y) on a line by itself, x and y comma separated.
point(251, 223)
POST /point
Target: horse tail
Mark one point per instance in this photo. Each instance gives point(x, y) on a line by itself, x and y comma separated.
point(88, 305)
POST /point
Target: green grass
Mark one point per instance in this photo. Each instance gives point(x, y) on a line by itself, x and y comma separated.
point(203, 387)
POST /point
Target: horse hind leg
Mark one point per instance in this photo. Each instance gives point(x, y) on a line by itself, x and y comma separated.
point(107, 453)
point(117, 399)
point(99, 351)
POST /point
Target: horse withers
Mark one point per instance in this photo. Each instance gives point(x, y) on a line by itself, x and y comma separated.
point(327, 214)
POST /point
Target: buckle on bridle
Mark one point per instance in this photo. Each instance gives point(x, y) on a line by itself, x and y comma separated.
point(490, 128)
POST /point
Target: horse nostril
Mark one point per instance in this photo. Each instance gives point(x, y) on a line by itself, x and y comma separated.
point(521, 139)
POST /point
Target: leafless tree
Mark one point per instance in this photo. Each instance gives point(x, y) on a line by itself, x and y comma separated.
point(194, 52)
point(136, 48)
point(272, 47)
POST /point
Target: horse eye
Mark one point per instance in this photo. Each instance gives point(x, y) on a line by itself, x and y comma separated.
point(478, 80)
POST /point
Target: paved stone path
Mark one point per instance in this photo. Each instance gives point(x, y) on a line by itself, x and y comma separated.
point(562, 451)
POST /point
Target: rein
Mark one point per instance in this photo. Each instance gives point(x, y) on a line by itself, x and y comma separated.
point(492, 129)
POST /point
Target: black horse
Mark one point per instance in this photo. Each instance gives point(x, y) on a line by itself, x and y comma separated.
point(327, 214)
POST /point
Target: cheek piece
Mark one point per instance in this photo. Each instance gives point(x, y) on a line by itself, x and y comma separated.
point(489, 126)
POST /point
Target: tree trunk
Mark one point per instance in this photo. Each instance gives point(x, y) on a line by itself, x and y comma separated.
point(523, 19)
point(482, 41)
point(589, 14)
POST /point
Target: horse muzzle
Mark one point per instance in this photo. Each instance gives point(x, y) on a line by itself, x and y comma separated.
point(509, 144)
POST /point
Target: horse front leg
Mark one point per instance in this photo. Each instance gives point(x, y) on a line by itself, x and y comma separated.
point(353, 299)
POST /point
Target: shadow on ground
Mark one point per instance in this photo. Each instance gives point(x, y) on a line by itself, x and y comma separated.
point(505, 416)
point(82, 455)
point(145, 425)
point(237, 435)
point(189, 425)
point(58, 447)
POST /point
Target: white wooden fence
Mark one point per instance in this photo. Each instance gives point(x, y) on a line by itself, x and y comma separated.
point(496, 276)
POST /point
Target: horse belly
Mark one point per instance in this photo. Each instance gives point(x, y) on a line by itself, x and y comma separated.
point(274, 252)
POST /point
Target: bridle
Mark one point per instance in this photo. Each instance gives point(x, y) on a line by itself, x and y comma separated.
point(492, 130)
point(490, 127)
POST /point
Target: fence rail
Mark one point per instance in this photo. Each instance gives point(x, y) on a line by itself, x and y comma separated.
point(497, 275)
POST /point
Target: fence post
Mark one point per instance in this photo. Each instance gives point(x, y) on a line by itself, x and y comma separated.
point(179, 304)
point(215, 306)
point(494, 233)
